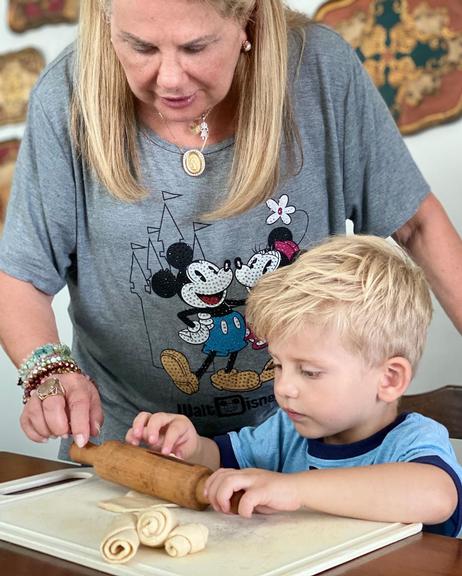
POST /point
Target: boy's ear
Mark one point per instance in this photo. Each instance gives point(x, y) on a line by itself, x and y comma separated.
point(396, 377)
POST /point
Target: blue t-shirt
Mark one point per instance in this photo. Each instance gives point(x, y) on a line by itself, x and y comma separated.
point(276, 445)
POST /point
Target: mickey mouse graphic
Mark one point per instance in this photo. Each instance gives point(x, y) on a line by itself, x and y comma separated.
point(221, 330)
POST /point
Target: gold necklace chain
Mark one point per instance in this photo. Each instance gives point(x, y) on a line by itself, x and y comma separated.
point(193, 160)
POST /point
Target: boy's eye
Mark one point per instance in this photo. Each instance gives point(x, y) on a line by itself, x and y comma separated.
point(311, 373)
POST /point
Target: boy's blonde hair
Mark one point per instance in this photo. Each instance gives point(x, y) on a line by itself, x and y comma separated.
point(363, 287)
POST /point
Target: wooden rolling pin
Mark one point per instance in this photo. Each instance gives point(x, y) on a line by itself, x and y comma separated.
point(150, 473)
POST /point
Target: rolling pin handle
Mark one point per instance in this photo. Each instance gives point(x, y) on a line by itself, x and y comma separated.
point(235, 499)
point(85, 455)
point(200, 490)
point(150, 473)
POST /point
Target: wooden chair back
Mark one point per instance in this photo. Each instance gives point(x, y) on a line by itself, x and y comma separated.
point(443, 405)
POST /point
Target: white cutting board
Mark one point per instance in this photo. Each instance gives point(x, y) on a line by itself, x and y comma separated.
point(65, 521)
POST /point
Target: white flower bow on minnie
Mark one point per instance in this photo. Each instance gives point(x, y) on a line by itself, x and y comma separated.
point(280, 210)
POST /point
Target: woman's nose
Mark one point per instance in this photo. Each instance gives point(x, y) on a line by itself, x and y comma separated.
point(170, 75)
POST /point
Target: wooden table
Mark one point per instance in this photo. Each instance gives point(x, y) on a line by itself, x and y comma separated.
point(419, 555)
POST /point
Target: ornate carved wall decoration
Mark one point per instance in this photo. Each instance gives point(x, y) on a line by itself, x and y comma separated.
point(413, 51)
point(18, 73)
point(8, 152)
point(26, 14)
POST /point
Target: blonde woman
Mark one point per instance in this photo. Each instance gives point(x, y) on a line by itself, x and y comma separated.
point(179, 151)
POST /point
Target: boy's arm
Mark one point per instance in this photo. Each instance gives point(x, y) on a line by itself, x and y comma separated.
point(396, 492)
point(207, 453)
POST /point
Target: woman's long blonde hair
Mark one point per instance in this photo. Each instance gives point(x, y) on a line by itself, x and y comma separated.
point(103, 112)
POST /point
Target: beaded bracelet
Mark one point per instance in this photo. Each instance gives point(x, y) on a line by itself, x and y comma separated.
point(47, 367)
point(40, 352)
point(62, 367)
point(44, 361)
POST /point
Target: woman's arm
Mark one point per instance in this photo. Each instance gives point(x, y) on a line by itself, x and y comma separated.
point(26, 318)
point(26, 322)
point(433, 242)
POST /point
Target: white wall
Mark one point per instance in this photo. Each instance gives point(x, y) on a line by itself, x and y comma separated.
point(50, 40)
point(437, 152)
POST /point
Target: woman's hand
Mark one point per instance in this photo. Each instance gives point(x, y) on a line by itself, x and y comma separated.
point(78, 412)
point(264, 491)
point(167, 433)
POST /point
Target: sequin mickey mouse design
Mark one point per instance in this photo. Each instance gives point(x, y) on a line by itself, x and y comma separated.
point(220, 329)
point(281, 251)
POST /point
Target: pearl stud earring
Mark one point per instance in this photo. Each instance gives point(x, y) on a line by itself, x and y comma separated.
point(246, 46)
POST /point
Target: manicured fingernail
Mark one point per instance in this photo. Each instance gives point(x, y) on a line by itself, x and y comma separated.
point(98, 427)
point(80, 440)
point(64, 436)
point(44, 440)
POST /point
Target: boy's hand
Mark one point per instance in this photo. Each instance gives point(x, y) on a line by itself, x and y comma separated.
point(166, 433)
point(265, 492)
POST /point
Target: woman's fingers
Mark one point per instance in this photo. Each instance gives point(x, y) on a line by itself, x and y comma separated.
point(32, 421)
point(84, 408)
point(55, 414)
point(78, 404)
point(96, 411)
point(77, 412)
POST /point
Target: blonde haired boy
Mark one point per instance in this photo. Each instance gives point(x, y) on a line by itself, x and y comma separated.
point(345, 324)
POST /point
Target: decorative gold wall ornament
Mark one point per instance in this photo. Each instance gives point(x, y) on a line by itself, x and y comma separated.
point(412, 50)
point(26, 14)
point(18, 73)
point(8, 153)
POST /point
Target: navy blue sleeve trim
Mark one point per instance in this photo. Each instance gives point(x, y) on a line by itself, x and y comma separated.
point(452, 526)
point(227, 457)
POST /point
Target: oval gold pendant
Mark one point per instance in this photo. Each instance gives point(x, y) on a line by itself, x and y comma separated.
point(193, 162)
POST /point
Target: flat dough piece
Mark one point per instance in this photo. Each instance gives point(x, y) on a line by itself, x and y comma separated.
point(133, 502)
point(155, 524)
point(186, 539)
point(121, 540)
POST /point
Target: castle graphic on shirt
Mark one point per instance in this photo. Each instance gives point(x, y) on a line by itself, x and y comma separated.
point(170, 267)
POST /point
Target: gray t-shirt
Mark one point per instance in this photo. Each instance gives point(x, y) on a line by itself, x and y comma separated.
point(156, 293)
